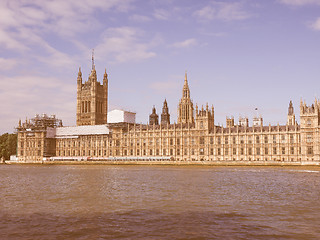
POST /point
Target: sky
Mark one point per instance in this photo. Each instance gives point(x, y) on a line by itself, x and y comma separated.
point(239, 55)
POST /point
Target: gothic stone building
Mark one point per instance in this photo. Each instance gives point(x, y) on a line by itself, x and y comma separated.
point(194, 138)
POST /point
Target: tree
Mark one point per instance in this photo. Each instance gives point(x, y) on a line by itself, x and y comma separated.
point(8, 145)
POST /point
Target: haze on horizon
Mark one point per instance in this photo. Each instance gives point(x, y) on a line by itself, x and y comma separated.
point(239, 55)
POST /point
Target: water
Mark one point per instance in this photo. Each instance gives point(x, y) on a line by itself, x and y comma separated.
point(159, 202)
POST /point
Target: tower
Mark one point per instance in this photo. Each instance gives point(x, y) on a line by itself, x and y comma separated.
point(309, 131)
point(92, 99)
point(165, 116)
point(185, 111)
point(291, 120)
point(205, 118)
point(153, 118)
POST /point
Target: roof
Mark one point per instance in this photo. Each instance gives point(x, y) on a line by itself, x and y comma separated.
point(81, 130)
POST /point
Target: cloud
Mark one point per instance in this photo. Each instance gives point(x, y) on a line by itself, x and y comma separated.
point(165, 87)
point(31, 25)
point(185, 44)
point(7, 64)
point(222, 11)
point(139, 18)
point(31, 94)
point(316, 25)
point(300, 2)
point(161, 14)
point(124, 44)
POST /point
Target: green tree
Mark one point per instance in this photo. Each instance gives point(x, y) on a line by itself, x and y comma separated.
point(8, 145)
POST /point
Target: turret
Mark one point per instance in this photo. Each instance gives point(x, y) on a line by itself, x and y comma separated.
point(153, 118)
point(79, 79)
point(230, 122)
point(165, 116)
point(291, 119)
point(204, 118)
point(105, 78)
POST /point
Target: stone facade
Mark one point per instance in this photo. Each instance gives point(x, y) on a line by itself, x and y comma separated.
point(36, 140)
point(195, 138)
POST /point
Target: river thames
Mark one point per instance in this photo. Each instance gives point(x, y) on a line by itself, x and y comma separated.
point(159, 202)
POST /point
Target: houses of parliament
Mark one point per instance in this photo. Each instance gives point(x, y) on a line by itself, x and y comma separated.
point(114, 137)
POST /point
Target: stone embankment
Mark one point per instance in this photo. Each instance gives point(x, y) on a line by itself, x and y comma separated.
point(175, 163)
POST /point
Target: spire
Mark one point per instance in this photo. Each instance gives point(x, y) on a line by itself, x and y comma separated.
point(185, 77)
point(93, 67)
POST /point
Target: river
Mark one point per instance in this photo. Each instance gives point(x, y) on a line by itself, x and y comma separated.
point(159, 202)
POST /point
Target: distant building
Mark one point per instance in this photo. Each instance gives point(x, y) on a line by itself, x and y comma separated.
point(195, 136)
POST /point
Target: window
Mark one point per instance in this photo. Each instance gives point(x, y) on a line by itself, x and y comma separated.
point(164, 152)
point(266, 152)
point(219, 140)
point(219, 151)
point(250, 140)
point(185, 151)
point(242, 151)
point(258, 151)
point(291, 138)
point(257, 139)
point(265, 139)
point(211, 140)
point(178, 141)
point(292, 150)
point(226, 151)
point(178, 151)
point(309, 137)
point(201, 140)
point(226, 140)
point(283, 138)
point(310, 150)
point(211, 151)
point(309, 123)
point(250, 151)
point(234, 151)
point(171, 152)
point(201, 151)
point(233, 140)
point(274, 150)
point(274, 139)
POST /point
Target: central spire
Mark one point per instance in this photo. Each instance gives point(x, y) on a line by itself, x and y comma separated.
point(185, 111)
point(93, 67)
